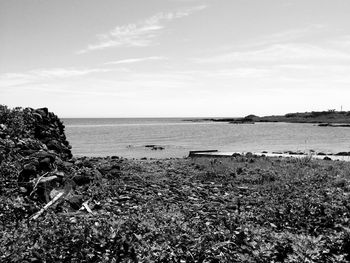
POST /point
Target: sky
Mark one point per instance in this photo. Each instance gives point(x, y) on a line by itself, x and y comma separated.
point(175, 58)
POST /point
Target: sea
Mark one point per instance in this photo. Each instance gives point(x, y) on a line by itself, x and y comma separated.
point(127, 137)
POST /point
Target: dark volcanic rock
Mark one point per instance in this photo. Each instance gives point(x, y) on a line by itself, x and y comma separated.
point(154, 147)
point(30, 142)
point(45, 163)
point(82, 179)
point(343, 154)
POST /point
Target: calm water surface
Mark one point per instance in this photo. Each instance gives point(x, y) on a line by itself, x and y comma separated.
point(127, 137)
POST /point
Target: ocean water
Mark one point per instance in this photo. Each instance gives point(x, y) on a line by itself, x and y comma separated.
point(128, 137)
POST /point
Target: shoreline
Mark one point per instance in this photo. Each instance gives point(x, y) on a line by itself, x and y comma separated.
point(215, 153)
point(339, 156)
point(330, 118)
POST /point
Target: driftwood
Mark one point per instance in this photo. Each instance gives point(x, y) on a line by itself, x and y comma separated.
point(47, 179)
point(42, 210)
point(87, 208)
point(37, 182)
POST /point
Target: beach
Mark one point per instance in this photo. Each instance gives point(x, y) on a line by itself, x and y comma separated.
point(58, 207)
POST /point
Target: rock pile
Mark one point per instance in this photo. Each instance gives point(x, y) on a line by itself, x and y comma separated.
point(36, 163)
point(32, 146)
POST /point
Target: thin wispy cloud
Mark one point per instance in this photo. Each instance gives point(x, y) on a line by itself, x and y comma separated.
point(39, 75)
point(140, 34)
point(134, 60)
point(295, 35)
point(289, 52)
point(64, 89)
point(288, 36)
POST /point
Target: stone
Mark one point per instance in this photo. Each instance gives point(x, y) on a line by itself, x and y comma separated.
point(154, 147)
point(63, 164)
point(343, 154)
point(81, 179)
point(44, 154)
point(75, 201)
point(28, 172)
point(38, 116)
point(32, 166)
point(54, 145)
point(45, 163)
point(42, 111)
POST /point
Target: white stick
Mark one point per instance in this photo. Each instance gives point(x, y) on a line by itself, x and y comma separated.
point(42, 210)
point(85, 205)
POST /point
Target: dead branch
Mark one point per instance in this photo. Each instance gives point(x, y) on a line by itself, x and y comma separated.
point(54, 200)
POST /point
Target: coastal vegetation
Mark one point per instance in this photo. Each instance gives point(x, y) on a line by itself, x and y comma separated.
point(329, 117)
point(244, 208)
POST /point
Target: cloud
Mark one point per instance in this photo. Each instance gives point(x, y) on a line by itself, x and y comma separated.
point(280, 53)
point(140, 34)
point(287, 36)
point(38, 75)
point(341, 42)
point(240, 73)
point(134, 60)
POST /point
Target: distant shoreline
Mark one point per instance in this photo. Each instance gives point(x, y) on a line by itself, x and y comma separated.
point(340, 156)
point(330, 118)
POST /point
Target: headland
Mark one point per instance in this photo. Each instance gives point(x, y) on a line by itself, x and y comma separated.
point(329, 118)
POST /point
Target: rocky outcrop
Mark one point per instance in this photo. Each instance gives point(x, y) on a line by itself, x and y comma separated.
point(154, 147)
point(37, 169)
point(27, 131)
point(36, 162)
